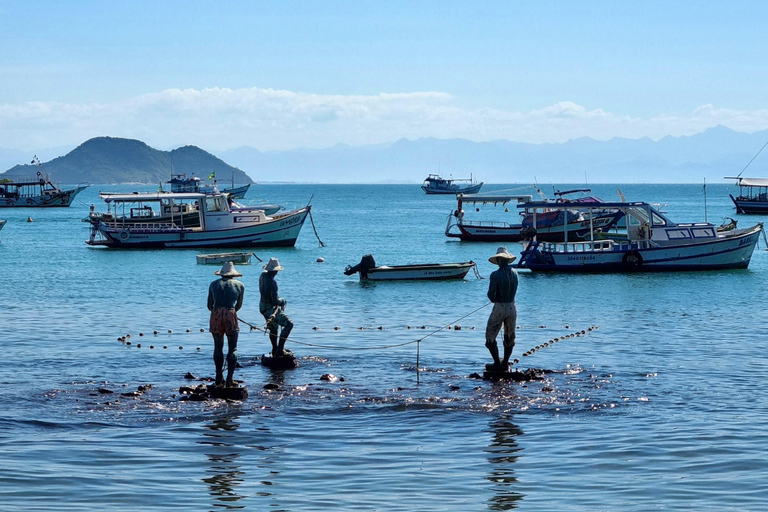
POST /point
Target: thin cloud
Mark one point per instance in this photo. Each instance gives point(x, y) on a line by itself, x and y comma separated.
point(270, 119)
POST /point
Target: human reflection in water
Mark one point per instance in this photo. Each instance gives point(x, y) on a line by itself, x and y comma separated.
point(224, 474)
point(503, 452)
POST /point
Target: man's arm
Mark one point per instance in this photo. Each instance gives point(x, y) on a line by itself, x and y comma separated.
point(240, 298)
point(210, 299)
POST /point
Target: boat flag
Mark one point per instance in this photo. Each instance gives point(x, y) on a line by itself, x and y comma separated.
point(212, 175)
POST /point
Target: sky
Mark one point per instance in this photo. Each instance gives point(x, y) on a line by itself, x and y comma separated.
point(285, 75)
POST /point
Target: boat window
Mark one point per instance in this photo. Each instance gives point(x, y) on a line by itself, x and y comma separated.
point(703, 233)
point(658, 220)
point(678, 233)
point(212, 205)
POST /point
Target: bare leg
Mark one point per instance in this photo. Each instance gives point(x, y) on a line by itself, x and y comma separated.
point(283, 337)
point(218, 357)
point(231, 356)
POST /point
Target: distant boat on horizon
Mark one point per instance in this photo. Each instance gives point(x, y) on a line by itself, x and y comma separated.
point(434, 184)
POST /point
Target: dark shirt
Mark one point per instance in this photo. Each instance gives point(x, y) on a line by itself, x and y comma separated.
point(503, 285)
point(268, 291)
point(226, 293)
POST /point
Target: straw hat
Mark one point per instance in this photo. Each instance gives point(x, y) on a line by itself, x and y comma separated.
point(228, 270)
point(501, 252)
point(273, 264)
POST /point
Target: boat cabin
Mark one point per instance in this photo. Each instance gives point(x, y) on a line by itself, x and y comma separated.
point(753, 195)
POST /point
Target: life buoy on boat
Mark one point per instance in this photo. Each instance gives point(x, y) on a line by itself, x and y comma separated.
point(632, 260)
point(124, 235)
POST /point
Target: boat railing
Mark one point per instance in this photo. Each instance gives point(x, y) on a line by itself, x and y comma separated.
point(145, 226)
point(485, 223)
point(593, 246)
point(25, 179)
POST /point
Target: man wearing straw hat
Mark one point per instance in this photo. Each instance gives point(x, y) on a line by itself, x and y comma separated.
point(225, 298)
point(501, 291)
point(272, 306)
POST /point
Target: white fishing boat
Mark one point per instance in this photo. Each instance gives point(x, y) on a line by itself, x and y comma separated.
point(434, 184)
point(217, 225)
point(241, 258)
point(35, 191)
point(428, 271)
point(651, 242)
point(753, 195)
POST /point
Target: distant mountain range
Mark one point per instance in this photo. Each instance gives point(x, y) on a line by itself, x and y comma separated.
point(114, 160)
point(712, 154)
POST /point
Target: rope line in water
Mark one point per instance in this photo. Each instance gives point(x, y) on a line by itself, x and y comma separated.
point(380, 347)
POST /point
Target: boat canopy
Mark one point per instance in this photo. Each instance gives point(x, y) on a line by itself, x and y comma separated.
point(570, 206)
point(485, 199)
point(157, 196)
point(751, 182)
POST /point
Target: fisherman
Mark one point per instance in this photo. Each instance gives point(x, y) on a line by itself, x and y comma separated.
point(225, 298)
point(273, 307)
point(501, 291)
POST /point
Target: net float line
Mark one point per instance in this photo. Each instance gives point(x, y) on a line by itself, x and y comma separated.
point(551, 342)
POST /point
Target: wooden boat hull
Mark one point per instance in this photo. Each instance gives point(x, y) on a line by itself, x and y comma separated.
point(487, 232)
point(282, 231)
point(242, 258)
point(752, 206)
point(730, 250)
point(62, 198)
point(237, 192)
point(431, 272)
point(471, 189)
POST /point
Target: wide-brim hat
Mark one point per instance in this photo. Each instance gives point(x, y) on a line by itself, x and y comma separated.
point(228, 270)
point(273, 264)
point(501, 252)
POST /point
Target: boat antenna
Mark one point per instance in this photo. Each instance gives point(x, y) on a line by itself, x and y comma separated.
point(705, 198)
point(753, 159)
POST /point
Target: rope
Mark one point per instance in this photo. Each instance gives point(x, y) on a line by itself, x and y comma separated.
point(477, 272)
point(753, 159)
point(379, 347)
point(315, 229)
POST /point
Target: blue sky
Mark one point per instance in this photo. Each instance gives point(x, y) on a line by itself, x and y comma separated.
point(277, 75)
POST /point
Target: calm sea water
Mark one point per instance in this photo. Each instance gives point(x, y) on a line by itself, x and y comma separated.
point(663, 407)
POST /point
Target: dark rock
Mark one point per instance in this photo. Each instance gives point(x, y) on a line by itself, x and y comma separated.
point(342, 379)
point(455, 388)
point(190, 376)
point(475, 376)
point(131, 394)
point(105, 391)
point(228, 393)
point(328, 377)
point(286, 362)
point(271, 386)
point(145, 387)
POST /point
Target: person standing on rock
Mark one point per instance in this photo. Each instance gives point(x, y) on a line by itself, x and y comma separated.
point(225, 298)
point(272, 306)
point(502, 289)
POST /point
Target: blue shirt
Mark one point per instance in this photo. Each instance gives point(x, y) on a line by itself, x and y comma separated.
point(226, 293)
point(503, 285)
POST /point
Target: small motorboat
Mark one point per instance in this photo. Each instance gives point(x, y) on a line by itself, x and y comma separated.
point(241, 258)
point(429, 271)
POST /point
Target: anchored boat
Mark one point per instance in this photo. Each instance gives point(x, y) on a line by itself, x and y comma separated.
point(35, 191)
point(241, 258)
point(429, 271)
point(217, 225)
point(753, 195)
point(434, 184)
point(548, 224)
point(651, 242)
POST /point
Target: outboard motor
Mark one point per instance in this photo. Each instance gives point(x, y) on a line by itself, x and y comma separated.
point(528, 233)
point(363, 267)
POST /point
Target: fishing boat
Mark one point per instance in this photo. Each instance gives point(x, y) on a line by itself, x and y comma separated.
point(35, 191)
point(651, 242)
point(241, 258)
point(180, 183)
point(753, 195)
point(217, 224)
point(434, 184)
point(549, 224)
point(429, 271)
point(182, 213)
